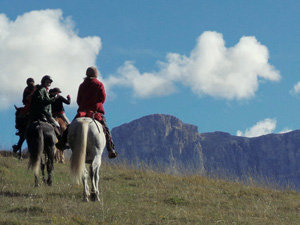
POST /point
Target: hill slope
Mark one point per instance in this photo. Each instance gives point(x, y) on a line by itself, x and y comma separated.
point(132, 196)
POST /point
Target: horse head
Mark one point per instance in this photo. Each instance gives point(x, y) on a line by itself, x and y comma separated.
point(18, 109)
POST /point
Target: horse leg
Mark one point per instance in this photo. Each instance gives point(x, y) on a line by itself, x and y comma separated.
point(43, 169)
point(50, 164)
point(62, 156)
point(94, 181)
point(36, 181)
point(86, 192)
point(20, 143)
point(56, 157)
point(94, 174)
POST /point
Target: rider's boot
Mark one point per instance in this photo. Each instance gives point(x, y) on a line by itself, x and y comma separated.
point(15, 148)
point(109, 143)
point(111, 151)
point(110, 146)
point(62, 142)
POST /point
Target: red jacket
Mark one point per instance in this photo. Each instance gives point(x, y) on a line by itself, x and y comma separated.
point(27, 98)
point(91, 96)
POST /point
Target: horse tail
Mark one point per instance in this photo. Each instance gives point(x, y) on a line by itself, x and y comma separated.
point(36, 147)
point(79, 152)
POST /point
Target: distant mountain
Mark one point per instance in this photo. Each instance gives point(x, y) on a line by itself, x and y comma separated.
point(160, 141)
point(274, 157)
point(166, 143)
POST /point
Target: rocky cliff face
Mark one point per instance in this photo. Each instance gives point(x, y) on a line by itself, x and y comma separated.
point(160, 141)
point(166, 143)
point(274, 157)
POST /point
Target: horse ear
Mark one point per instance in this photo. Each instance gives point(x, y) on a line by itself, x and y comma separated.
point(16, 107)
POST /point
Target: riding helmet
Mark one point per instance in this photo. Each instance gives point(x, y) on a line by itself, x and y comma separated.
point(46, 77)
point(29, 80)
point(55, 90)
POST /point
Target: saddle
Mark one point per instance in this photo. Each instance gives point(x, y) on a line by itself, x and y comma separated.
point(43, 118)
point(92, 114)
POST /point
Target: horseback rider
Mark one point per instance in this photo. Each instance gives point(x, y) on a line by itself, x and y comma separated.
point(22, 114)
point(90, 99)
point(41, 104)
point(58, 109)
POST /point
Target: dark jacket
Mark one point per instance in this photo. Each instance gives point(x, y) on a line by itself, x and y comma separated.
point(26, 93)
point(27, 98)
point(41, 104)
point(57, 106)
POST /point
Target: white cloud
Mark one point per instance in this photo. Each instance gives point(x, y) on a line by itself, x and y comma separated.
point(144, 85)
point(296, 88)
point(211, 69)
point(263, 127)
point(39, 43)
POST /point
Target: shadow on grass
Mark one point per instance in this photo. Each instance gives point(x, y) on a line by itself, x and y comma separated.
point(17, 194)
point(31, 210)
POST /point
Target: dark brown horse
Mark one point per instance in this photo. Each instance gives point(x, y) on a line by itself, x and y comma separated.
point(21, 120)
point(40, 137)
point(59, 153)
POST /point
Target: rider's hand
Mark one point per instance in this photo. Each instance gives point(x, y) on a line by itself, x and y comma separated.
point(68, 97)
point(54, 98)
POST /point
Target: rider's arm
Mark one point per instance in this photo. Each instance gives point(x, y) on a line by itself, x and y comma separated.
point(43, 96)
point(64, 100)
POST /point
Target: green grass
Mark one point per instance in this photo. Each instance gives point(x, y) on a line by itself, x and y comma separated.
point(130, 196)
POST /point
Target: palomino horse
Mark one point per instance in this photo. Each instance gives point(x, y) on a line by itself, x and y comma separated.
point(59, 153)
point(40, 137)
point(87, 141)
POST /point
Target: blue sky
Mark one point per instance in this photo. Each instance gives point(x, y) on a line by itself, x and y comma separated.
point(227, 66)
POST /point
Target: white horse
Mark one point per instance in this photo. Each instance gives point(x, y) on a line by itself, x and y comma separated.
point(87, 141)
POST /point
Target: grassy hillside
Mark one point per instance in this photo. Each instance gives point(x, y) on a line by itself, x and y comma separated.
point(129, 196)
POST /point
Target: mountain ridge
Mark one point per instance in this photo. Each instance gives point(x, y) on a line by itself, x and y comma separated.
point(165, 142)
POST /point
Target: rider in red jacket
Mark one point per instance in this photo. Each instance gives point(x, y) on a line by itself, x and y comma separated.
point(90, 98)
point(91, 94)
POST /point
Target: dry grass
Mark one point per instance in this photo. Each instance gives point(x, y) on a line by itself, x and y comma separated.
point(131, 196)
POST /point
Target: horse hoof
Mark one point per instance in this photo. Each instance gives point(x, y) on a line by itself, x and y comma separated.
point(95, 197)
point(49, 182)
